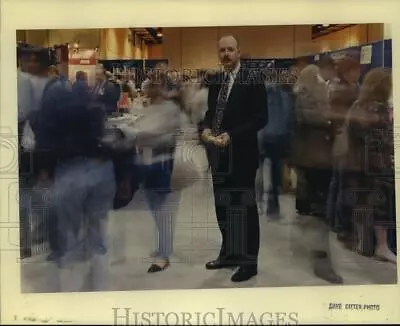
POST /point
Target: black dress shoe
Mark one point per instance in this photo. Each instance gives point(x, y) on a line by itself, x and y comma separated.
point(220, 263)
point(244, 273)
point(154, 268)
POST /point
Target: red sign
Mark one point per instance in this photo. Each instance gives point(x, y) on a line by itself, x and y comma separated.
point(123, 102)
point(82, 57)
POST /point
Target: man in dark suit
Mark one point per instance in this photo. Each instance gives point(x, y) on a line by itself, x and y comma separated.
point(106, 92)
point(237, 110)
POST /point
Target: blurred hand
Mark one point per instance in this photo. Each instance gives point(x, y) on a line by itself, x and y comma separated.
point(206, 136)
point(222, 140)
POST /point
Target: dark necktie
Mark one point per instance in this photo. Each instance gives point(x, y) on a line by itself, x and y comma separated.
point(221, 104)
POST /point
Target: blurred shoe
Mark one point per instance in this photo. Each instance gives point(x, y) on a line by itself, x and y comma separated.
point(273, 211)
point(323, 268)
point(220, 263)
point(260, 209)
point(244, 273)
point(158, 266)
point(54, 256)
point(385, 254)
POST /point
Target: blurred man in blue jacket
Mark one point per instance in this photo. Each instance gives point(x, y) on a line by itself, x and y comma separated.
point(274, 139)
point(68, 129)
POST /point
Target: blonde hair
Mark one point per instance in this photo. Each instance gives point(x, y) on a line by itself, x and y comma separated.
point(376, 86)
point(309, 81)
point(308, 77)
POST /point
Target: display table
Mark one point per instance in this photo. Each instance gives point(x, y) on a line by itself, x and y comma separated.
point(123, 119)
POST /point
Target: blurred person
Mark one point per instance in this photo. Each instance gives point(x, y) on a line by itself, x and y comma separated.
point(236, 112)
point(81, 81)
point(199, 101)
point(119, 80)
point(169, 82)
point(298, 66)
point(34, 65)
point(81, 76)
point(32, 78)
point(131, 87)
point(147, 79)
point(344, 89)
point(275, 140)
point(109, 76)
point(54, 72)
point(155, 134)
point(312, 132)
point(343, 92)
point(368, 163)
point(68, 129)
point(199, 106)
point(105, 91)
point(194, 93)
point(327, 69)
point(311, 154)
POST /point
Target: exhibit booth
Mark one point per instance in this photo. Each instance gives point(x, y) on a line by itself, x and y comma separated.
point(82, 60)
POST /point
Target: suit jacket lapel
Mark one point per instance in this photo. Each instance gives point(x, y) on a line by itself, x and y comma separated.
point(236, 85)
point(238, 80)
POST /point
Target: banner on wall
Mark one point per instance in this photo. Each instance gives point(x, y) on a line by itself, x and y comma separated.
point(366, 54)
point(82, 57)
point(372, 55)
point(82, 60)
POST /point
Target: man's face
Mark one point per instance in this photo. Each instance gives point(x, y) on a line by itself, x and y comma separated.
point(229, 53)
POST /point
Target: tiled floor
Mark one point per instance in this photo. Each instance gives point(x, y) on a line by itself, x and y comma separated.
point(283, 259)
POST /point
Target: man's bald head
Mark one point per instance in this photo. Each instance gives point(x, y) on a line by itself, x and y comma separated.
point(231, 39)
point(229, 53)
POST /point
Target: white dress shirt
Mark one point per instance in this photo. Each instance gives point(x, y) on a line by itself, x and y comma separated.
point(232, 77)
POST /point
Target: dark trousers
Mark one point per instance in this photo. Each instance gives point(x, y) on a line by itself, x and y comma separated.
point(237, 215)
point(275, 152)
point(312, 190)
point(55, 236)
